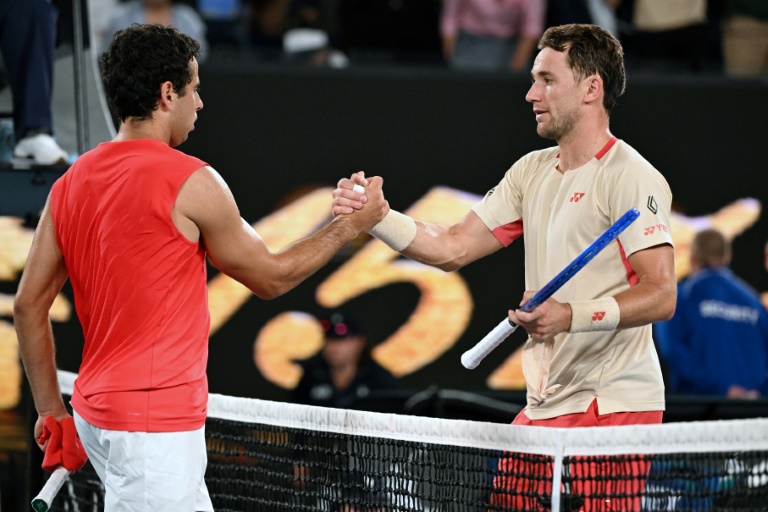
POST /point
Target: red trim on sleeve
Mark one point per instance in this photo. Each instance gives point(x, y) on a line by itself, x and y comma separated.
point(507, 233)
point(608, 145)
point(632, 278)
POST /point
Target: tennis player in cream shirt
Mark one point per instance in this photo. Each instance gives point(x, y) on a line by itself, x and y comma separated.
point(589, 359)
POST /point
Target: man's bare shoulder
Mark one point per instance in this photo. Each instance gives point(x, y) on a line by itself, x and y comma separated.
point(204, 180)
point(204, 191)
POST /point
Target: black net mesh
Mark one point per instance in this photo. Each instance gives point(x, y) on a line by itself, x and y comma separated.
point(280, 469)
point(261, 466)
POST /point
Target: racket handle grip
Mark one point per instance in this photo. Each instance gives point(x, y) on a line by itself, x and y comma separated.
point(45, 497)
point(472, 357)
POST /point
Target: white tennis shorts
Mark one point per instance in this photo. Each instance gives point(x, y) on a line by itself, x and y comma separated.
point(148, 471)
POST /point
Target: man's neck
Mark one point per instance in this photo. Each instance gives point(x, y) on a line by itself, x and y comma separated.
point(132, 129)
point(582, 146)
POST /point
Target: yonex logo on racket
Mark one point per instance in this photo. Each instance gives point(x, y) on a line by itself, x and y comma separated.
point(575, 197)
point(598, 315)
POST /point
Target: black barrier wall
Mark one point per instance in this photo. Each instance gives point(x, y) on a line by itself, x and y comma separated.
point(276, 134)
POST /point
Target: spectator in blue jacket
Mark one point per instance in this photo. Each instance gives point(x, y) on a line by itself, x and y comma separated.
point(717, 342)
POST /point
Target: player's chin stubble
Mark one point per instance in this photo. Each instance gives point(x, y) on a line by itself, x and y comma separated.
point(559, 128)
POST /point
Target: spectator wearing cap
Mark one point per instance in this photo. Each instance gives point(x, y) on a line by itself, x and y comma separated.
point(343, 372)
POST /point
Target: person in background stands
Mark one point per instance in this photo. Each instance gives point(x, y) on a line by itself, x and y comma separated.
point(668, 36)
point(158, 12)
point(717, 342)
point(599, 12)
point(27, 41)
point(745, 38)
point(491, 35)
point(343, 372)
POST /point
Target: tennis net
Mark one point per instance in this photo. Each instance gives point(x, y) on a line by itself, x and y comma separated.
point(271, 456)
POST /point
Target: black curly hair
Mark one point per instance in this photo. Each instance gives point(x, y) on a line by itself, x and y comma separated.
point(591, 50)
point(139, 59)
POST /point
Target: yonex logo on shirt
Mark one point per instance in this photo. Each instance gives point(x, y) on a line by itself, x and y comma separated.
point(598, 315)
point(576, 196)
point(651, 229)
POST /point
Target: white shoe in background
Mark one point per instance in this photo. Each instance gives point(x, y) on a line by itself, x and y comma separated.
point(41, 149)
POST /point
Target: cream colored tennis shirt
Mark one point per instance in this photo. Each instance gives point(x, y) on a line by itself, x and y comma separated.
point(560, 216)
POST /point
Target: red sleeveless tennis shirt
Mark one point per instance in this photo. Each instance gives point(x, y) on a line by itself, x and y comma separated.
point(139, 287)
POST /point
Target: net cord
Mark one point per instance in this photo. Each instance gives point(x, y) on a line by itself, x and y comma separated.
point(688, 437)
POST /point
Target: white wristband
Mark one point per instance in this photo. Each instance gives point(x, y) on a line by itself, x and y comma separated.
point(396, 230)
point(594, 315)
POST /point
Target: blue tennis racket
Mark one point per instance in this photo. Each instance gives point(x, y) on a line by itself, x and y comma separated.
point(472, 357)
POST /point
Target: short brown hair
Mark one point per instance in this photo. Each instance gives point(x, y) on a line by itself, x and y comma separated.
point(591, 50)
point(710, 248)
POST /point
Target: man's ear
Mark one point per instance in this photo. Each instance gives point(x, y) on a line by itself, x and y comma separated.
point(594, 89)
point(166, 95)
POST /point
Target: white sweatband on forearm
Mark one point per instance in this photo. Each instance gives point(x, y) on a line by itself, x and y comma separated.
point(594, 315)
point(396, 230)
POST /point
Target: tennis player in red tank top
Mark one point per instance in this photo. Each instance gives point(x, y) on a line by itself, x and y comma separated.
point(131, 224)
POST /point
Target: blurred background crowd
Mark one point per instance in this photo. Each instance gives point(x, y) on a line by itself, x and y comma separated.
point(693, 36)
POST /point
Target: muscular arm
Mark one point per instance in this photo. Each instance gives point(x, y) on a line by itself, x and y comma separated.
point(652, 299)
point(205, 205)
point(43, 277)
point(654, 296)
point(452, 247)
